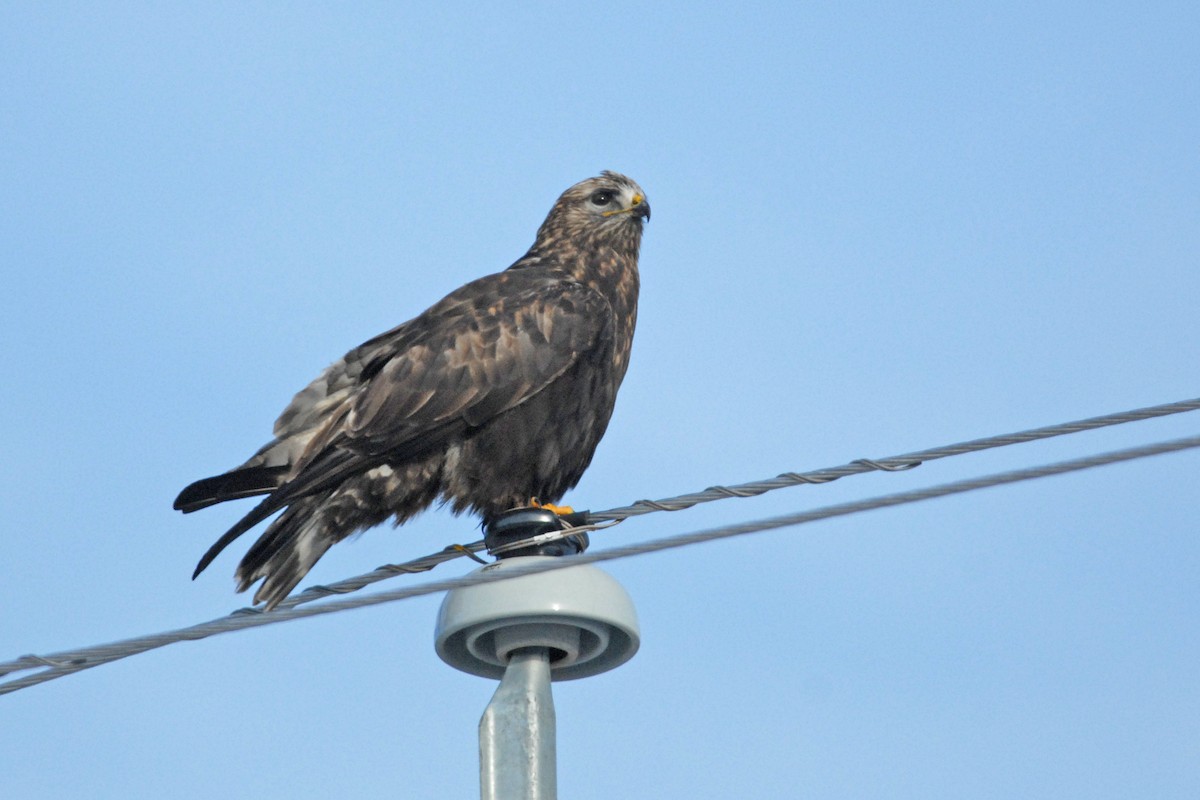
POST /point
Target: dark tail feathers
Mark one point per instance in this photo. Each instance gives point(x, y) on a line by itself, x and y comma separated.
point(229, 486)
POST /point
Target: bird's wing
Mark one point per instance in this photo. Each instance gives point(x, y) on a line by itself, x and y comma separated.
point(477, 363)
point(485, 349)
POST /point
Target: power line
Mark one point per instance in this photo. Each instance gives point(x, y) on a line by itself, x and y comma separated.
point(69, 662)
point(891, 463)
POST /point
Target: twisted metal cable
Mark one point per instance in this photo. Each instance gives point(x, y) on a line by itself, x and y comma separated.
point(68, 662)
point(890, 464)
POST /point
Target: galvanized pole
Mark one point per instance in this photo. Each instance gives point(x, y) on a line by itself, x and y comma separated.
point(517, 759)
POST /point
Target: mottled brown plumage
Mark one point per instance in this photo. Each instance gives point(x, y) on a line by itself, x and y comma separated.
point(497, 394)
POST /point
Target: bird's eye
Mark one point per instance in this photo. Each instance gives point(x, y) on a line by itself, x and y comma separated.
point(602, 197)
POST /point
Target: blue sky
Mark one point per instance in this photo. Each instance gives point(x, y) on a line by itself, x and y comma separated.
point(877, 228)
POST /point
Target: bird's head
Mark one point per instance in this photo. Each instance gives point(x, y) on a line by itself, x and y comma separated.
point(608, 205)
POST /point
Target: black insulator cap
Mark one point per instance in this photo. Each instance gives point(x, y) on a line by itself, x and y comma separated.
point(525, 523)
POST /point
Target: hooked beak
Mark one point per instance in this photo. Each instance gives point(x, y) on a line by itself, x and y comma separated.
point(641, 209)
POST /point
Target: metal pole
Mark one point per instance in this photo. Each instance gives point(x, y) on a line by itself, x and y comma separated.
point(517, 759)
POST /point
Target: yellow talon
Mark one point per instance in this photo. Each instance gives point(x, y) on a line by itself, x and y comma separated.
point(562, 511)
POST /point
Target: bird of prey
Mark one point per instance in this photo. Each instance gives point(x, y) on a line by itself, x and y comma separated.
point(495, 396)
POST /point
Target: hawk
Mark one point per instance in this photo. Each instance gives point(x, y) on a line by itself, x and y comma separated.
point(496, 395)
